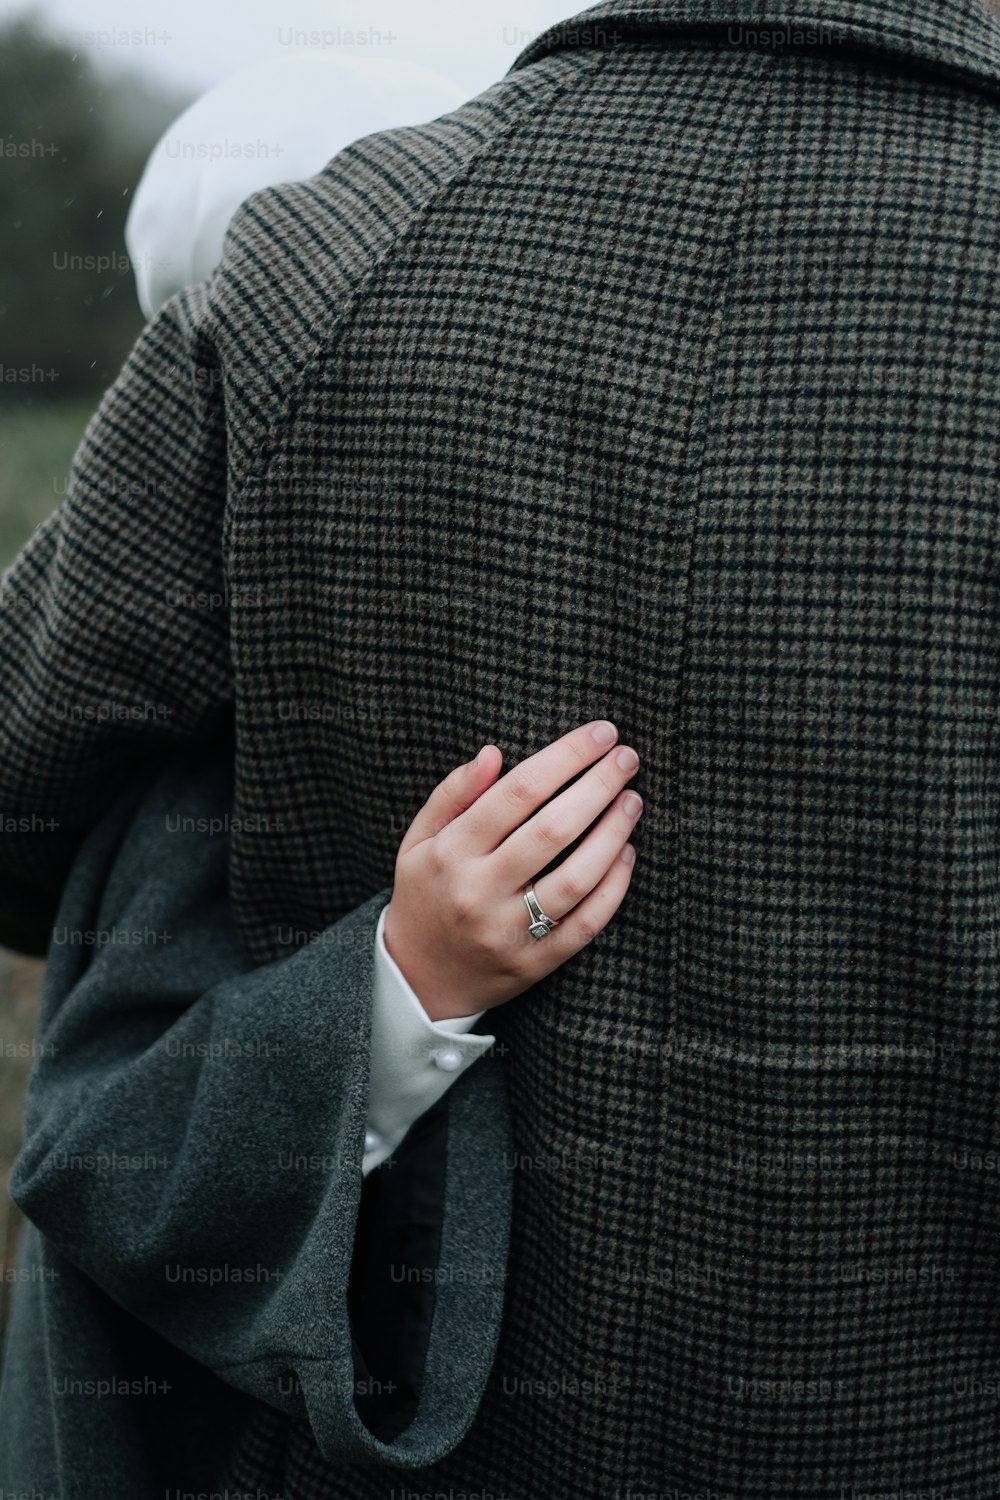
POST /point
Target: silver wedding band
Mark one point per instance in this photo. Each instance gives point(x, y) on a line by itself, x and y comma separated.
point(541, 925)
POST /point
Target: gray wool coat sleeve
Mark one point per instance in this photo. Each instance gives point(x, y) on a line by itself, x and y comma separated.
point(192, 1160)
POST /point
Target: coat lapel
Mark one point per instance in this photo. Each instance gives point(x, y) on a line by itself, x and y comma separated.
point(955, 36)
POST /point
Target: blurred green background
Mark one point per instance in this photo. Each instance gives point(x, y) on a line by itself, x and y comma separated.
point(74, 139)
point(73, 143)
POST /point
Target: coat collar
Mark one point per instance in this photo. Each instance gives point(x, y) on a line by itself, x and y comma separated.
point(957, 37)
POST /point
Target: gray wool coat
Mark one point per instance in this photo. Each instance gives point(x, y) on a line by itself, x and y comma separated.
point(201, 1239)
point(656, 383)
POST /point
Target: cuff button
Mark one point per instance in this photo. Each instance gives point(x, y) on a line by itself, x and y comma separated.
point(448, 1059)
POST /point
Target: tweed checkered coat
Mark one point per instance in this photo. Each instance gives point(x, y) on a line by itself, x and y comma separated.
point(656, 383)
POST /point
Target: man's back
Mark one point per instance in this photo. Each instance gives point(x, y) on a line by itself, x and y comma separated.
point(656, 384)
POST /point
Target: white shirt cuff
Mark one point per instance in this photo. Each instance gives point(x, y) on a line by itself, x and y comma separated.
point(414, 1060)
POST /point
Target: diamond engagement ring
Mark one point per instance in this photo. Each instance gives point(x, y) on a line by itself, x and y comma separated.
point(541, 925)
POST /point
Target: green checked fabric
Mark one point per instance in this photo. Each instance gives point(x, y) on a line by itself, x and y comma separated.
point(657, 383)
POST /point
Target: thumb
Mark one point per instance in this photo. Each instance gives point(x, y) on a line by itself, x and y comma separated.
point(453, 795)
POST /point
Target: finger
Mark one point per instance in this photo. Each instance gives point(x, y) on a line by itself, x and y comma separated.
point(563, 889)
point(536, 843)
point(454, 795)
point(590, 917)
point(522, 791)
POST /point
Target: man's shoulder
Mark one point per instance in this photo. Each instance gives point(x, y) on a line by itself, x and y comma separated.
point(296, 253)
point(904, 148)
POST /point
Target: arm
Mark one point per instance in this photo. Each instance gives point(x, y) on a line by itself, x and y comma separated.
point(414, 1060)
point(195, 1132)
point(113, 619)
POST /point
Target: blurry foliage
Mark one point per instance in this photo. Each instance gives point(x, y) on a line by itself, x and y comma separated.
point(73, 142)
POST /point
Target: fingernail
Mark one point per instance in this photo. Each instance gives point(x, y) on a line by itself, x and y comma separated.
point(628, 854)
point(604, 732)
point(480, 755)
point(633, 804)
point(627, 758)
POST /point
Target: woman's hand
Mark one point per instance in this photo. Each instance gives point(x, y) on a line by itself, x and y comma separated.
point(457, 924)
